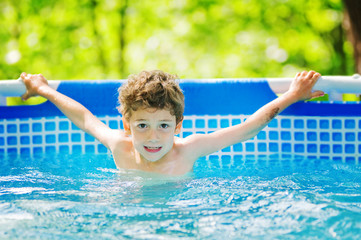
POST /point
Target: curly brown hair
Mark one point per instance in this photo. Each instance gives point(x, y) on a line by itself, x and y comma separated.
point(151, 89)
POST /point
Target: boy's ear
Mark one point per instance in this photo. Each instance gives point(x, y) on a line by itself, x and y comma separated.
point(126, 126)
point(178, 128)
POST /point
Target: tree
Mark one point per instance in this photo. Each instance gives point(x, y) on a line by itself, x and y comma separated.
point(93, 39)
point(352, 24)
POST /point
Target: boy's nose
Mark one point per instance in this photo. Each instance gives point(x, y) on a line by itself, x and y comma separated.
point(153, 135)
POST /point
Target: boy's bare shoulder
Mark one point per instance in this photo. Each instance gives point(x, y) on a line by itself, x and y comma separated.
point(188, 145)
point(189, 140)
point(117, 139)
point(199, 145)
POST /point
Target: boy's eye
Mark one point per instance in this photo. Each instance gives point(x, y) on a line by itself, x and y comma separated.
point(164, 126)
point(142, 125)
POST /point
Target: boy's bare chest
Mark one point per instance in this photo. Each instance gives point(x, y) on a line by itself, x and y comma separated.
point(170, 164)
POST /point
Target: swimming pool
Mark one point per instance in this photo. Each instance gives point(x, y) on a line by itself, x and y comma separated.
point(298, 178)
point(84, 196)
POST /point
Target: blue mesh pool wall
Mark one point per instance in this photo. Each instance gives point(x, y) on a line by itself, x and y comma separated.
point(310, 129)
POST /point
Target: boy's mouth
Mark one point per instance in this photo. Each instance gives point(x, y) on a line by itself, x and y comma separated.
point(152, 149)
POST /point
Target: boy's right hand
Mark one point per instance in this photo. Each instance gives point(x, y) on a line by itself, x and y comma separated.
point(302, 84)
point(33, 84)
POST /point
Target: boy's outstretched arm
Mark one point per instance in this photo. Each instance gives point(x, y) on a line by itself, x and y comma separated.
point(300, 89)
point(77, 113)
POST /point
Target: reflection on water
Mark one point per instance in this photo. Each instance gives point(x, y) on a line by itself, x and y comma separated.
point(85, 196)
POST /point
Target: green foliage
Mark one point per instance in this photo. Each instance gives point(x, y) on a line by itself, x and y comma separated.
point(111, 39)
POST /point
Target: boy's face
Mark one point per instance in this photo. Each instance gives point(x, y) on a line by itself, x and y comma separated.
point(152, 132)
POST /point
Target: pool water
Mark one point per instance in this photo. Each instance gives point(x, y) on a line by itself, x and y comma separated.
point(86, 197)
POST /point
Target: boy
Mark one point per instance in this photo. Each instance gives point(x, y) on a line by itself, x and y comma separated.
point(152, 108)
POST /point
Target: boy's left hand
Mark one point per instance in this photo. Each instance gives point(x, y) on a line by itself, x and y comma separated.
point(302, 84)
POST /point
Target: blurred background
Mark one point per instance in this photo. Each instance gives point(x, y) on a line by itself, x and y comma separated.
point(110, 39)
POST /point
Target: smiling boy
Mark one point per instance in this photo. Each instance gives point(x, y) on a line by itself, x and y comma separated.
point(152, 105)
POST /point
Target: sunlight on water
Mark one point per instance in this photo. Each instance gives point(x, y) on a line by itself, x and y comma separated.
point(78, 197)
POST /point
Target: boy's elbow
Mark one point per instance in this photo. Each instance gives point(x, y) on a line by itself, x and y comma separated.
point(252, 133)
point(250, 136)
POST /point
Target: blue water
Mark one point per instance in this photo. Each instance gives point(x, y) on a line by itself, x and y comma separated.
point(86, 197)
